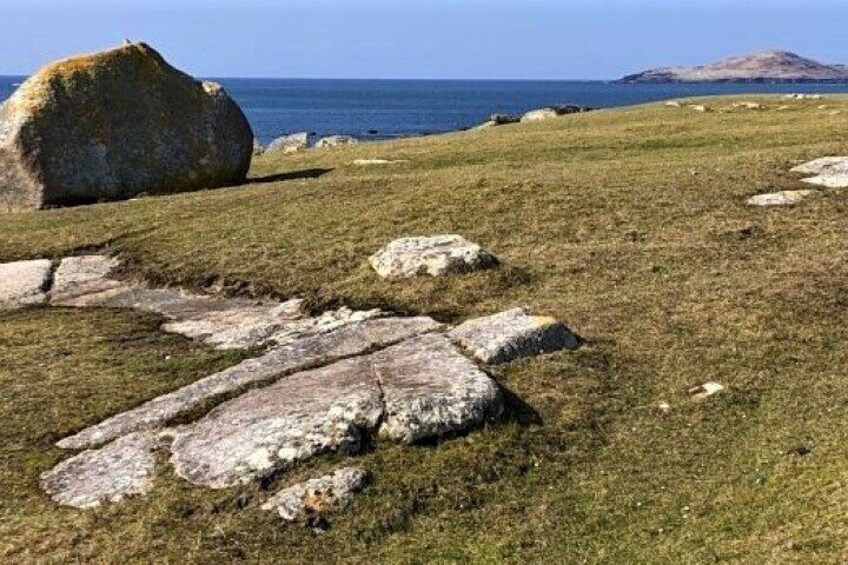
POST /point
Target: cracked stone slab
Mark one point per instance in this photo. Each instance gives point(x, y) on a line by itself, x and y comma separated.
point(312, 502)
point(334, 408)
point(430, 389)
point(513, 334)
point(22, 283)
point(122, 468)
point(301, 354)
point(782, 198)
point(434, 256)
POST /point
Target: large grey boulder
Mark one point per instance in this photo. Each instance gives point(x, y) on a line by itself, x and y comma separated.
point(23, 283)
point(116, 124)
point(313, 502)
point(435, 256)
point(507, 336)
point(124, 467)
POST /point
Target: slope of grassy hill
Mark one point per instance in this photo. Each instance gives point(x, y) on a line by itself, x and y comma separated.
point(628, 224)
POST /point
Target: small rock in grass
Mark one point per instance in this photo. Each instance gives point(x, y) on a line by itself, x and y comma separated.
point(664, 407)
point(782, 198)
point(699, 108)
point(122, 468)
point(748, 105)
point(22, 283)
point(823, 165)
point(435, 256)
point(313, 502)
point(513, 334)
point(705, 390)
point(673, 104)
point(336, 141)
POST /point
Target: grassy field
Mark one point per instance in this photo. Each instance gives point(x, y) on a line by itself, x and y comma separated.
point(628, 224)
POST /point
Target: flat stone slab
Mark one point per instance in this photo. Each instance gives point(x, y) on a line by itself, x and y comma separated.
point(23, 283)
point(269, 429)
point(782, 198)
point(122, 468)
point(435, 256)
point(313, 502)
point(830, 172)
point(512, 334)
point(823, 165)
point(371, 162)
point(430, 389)
point(311, 351)
point(418, 389)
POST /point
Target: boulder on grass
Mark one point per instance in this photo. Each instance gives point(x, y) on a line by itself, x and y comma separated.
point(289, 143)
point(434, 256)
point(115, 124)
point(336, 141)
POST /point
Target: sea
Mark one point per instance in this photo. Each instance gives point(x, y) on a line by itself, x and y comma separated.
point(386, 109)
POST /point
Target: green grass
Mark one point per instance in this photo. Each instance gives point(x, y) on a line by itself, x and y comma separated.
point(629, 224)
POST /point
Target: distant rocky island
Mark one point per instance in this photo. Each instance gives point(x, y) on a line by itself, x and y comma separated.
point(767, 66)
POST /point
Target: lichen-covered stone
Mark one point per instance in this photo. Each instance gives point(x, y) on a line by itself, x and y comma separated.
point(329, 409)
point(435, 256)
point(782, 198)
point(512, 334)
point(23, 283)
point(430, 390)
point(116, 124)
point(122, 468)
point(301, 354)
point(313, 502)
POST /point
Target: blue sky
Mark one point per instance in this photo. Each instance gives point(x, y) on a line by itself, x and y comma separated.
point(522, 39)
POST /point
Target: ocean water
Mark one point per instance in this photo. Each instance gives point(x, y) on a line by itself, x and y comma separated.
point(396, 108)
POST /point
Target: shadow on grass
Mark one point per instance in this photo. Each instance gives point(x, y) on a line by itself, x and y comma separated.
point(292, 175)
point(518, 411)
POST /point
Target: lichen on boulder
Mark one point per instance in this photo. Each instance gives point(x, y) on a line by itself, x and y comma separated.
point(116, 124)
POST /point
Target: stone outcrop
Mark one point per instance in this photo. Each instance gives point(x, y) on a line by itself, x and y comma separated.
point(291, 143)
point(23, 283)
point(124, 467)
point(511, 335)
point(767, 66)
point(334, 408)
point(313, 502)
point(782, 198)
point(829, 172)
point(347, 341)
point(336, 141)
point(117, 124)
point(435, 256)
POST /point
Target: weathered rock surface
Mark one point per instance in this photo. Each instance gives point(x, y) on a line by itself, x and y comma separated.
point(782, 198)
point(418, 389)
point(289, 143)
point(116, 124)
point(313, 502)
point(435, 256)
point(336, 140)
point(370, 162)
point(302, 354)
point(265, 430)
point(23, 283)
point(85, 281)
point(124, 467)
point(830, 172)
point(512, 334)
point(430, 390)
point(552, 112)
